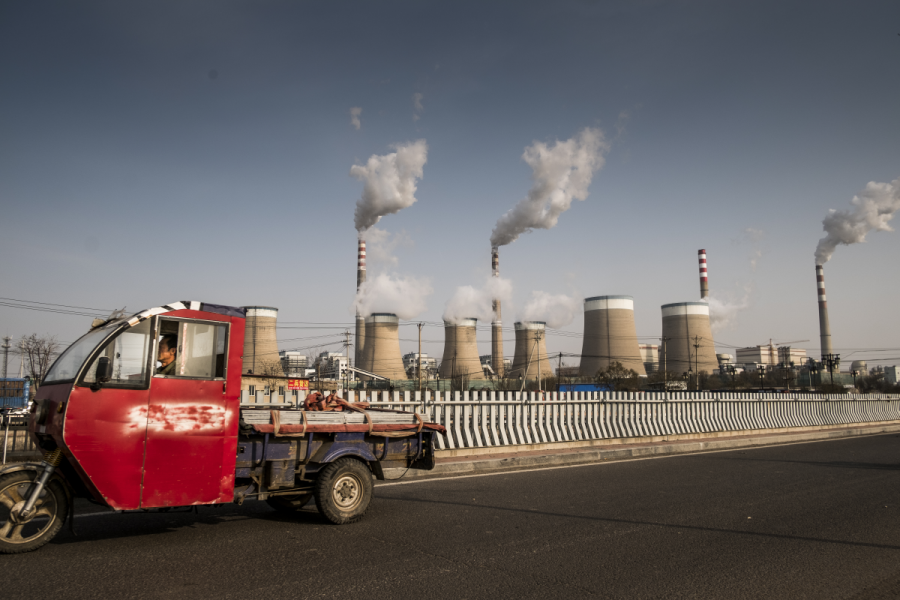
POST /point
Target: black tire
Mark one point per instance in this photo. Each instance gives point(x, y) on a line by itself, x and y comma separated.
point(343, 491)
point(51, 510)
point(289, 504)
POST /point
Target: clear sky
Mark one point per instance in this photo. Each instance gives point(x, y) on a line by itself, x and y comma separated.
point(160, 151)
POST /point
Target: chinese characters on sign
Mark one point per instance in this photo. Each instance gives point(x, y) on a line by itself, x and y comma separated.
point(298, 384)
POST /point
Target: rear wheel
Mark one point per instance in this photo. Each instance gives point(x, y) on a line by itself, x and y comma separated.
point(343, 491)
point(23, 534)
point(289, 504)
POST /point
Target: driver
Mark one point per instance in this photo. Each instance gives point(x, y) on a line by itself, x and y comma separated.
point(168, 348)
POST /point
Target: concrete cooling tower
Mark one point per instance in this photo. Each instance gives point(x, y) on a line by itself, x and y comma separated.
point(460, 351)
point(684, 325)
point(381, 354)
point(260, 343)
point(531, 350)
point(609, 335)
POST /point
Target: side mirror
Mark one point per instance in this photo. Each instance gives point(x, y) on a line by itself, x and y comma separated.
point(104, 369)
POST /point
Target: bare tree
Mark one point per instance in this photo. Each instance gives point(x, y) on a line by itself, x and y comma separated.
point(37, 354)
point(272, 375)
point(618, 377)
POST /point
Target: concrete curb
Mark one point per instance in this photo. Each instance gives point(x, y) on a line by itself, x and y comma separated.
point(472, 465)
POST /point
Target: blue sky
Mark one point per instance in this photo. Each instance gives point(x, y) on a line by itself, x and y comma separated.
point(160, 151)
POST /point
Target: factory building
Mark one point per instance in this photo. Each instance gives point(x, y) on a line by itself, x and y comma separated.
point(411, 363)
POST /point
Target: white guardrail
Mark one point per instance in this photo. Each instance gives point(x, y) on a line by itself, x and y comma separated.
point(481, 419)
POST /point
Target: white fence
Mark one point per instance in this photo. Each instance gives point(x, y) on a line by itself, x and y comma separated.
point(481, 419)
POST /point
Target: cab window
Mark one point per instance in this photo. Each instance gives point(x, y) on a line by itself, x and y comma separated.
point(129, 357)
point(192, 349)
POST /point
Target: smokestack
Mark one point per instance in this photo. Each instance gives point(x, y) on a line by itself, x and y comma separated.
point(687, 338)
point(704, 282)
point(382, 350)
point(360, 320)
point(531, 351)
point(496, 324)
point(260, 342)
point(824, 327)
point(609, 335)
point(460, 351)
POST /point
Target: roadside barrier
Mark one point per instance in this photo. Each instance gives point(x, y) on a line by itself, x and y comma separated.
point(14, 432)
point(482, 419)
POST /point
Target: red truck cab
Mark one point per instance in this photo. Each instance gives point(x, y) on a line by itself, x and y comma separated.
point(149, 437)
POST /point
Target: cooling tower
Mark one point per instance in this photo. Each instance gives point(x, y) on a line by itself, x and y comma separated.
point(704, 275)
point(684, 325)
point(260, 343)
point(824, 327)
point(381, 354)
point(360, 320)
point(460, 351)
point(724, 359)
point(496, 324)
point(609, 335)
point(531, 349)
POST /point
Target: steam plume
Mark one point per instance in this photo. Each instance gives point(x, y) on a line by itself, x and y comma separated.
point(873, 208)
point(723, 312)
point(559, 173)
point(403, 296)
point(389, 182)
point(557, 310)
point(469, 302)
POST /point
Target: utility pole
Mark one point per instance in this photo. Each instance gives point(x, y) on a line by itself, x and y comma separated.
point(5, 354)
point(665, 360)
point(697, 361)
point(419, 359)
point(347, 354)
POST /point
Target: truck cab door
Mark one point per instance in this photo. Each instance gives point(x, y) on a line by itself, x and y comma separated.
point(105, 425)
point(190, 443)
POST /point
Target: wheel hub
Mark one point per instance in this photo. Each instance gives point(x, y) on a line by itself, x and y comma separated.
point(16, 516)
point(346, 491)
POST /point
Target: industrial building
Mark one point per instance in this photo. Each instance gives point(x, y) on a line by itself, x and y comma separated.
point(530, 360)
point(460, 357)
point(294, 364)
point(487, 365)
point(609, 335)
point(650, 357)
point(382, 347)
point(260, 343)
point(687, 339)
point(411, 363)
point(770, 355)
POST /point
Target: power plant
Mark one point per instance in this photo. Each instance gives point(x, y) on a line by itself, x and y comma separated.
point(460, 351)
point(609, 335)
point(496, 324)
point(360, 320)
point(530, 360)
point(260, 341)
point(381, 353)
point(687, 342)
point(824, 327)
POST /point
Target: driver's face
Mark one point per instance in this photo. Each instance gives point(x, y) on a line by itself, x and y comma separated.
point(166, 355)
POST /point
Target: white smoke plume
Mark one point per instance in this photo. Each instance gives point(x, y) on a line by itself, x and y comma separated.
point(469, 302)
point(560, 173)
point(389, 182)
point(557, 310)
point(723, 312)
point(402, 295)
point(873, 208)
point(381, 244)
point(355, 112)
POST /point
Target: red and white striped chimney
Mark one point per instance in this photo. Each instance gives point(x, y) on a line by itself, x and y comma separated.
point(824, 327)
point(496, 324)
point(704, 282)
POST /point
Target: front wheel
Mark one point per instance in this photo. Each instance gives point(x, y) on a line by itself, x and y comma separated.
point(24, 534)
point(343, 491)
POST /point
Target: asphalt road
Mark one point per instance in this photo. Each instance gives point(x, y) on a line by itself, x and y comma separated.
point(816, 520)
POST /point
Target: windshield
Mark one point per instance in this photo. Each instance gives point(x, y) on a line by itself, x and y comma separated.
point(66, 366)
